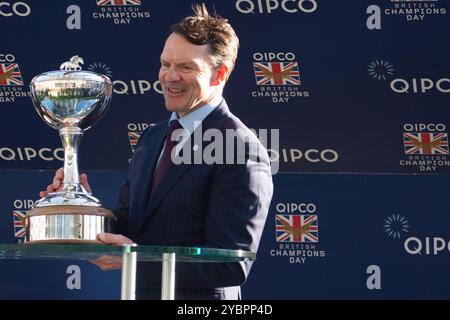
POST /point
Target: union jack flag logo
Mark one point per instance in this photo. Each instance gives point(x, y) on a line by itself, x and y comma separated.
point(19, 223)
point(425, 143)
point(296, 228)
point(276, 73)
point(102, 3)
point(134, 136)
point(10, 75)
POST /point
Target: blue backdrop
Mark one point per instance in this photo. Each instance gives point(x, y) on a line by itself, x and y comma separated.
point(362, 110)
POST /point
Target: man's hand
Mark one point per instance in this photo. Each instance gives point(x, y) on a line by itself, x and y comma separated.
point(106, 262)
point(114, 239)
point(57, 183)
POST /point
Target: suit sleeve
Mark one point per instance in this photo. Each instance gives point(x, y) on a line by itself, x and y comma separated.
point(122, 208)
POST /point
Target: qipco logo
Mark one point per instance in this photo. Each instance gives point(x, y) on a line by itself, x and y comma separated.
point(29, 154)
point(427, 246)
point(271, 56)
point(23, 204)
point(421, 85)
point(20, 9)
point(310, 155)
point(296, 207)
point(7, 57)
point(268, 6)
point(421, 127)
point(135, 87)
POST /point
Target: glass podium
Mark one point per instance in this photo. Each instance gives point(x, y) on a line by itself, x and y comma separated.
point(129, 255)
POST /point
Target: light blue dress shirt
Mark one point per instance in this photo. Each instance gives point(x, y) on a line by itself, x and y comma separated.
point(192, 120)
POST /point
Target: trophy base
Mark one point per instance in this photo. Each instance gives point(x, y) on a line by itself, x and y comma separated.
point(67, 224)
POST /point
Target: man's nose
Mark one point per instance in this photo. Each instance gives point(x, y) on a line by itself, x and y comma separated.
point(172, 75)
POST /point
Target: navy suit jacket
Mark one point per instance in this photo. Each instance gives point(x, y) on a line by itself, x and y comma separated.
point(208, 205)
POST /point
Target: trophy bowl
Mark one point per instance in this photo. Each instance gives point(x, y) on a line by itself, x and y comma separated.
point(69, 100)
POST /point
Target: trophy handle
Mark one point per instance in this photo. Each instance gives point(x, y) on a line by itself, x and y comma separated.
point(71, 137)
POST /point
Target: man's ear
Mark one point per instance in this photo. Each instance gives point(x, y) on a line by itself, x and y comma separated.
point(221, 75)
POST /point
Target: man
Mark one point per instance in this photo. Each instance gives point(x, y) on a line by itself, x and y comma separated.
point(217, 205)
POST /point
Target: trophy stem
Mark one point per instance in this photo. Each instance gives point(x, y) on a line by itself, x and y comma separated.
point(71, 137)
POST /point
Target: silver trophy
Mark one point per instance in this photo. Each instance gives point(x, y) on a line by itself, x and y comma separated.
point(71, 101)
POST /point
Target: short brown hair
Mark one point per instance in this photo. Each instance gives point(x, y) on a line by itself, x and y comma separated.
point(203, 28)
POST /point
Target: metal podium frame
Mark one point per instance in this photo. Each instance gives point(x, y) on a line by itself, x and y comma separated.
point(130, 254)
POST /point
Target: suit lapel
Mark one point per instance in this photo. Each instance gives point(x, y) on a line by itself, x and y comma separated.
point(213, 120)
point(174, 174)
point(140, 189)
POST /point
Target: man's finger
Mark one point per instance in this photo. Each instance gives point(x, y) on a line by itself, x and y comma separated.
point(59, 176)
point(114, 239)
point(56, 183)
point(59, 173)
point(84, 182)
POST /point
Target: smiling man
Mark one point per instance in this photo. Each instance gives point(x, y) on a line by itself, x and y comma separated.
point(208, 205)
point(187, 77)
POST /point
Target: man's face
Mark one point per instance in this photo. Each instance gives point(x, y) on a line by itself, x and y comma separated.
point(186, 75)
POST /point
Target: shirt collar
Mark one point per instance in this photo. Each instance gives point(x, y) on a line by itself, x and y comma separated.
point(192, 120)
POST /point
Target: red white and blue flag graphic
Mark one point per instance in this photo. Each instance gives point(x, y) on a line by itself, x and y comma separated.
point(296, 228)
point(134, 138)
point(276, 73)
point(425, 142)
point(10, 75)
point(19, 223)
point(102, 3)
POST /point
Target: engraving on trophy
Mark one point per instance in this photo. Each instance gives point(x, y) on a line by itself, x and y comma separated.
point(76, 229)
point(71, 101)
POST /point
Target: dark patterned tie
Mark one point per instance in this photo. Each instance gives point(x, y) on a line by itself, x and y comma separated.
point(165, 162)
